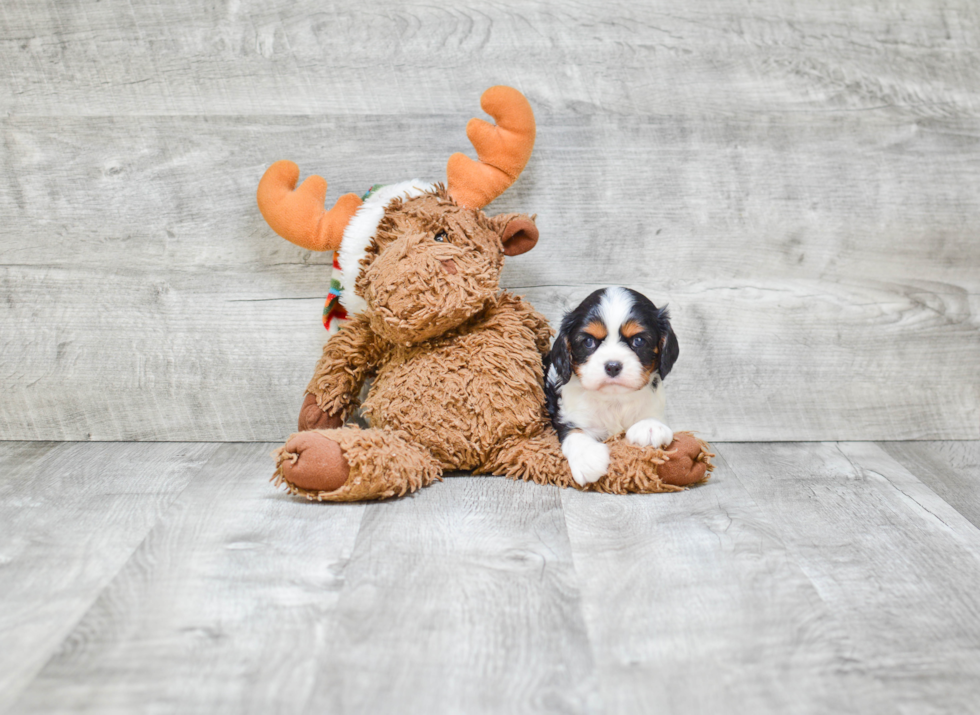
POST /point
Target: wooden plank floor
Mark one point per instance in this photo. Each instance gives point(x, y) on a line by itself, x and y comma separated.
point(803, 578)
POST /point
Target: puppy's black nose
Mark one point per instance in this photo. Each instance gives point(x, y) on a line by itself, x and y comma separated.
point(613, 368)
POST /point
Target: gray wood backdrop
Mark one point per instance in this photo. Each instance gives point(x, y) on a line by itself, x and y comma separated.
point(799, 180)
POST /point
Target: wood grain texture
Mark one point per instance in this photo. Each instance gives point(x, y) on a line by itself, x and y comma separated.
point(802, 578)
point(71, 516)
point(693, 603)
point(220, 608)
point(188, 355)
point(951, 469)
point(797, 180)
point(150, 356)
point(460, 599)
point(195, 322)
point(280, 57)
point(896, 564)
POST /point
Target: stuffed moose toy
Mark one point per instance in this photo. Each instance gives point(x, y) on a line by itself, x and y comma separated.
point(456, 363)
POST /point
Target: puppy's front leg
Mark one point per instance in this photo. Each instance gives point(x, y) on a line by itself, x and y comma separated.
point(650, 433)
point(587, 457)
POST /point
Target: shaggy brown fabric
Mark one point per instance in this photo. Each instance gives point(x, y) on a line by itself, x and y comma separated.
point(632, 469)
point(536, 458)
point(456, 368)
point(352, 464)
point(412, 298)
point(462, 393)
point(349, 358)
point(381, 465)
point(645, 470)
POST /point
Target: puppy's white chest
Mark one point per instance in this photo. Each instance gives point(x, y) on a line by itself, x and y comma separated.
point(602, 416)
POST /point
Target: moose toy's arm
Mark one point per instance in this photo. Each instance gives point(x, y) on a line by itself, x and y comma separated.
point(349, 358)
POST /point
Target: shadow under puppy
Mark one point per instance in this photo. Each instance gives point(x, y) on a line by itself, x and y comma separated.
point(605, 376)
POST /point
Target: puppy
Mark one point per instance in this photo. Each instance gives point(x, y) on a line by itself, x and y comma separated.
point(604, 376)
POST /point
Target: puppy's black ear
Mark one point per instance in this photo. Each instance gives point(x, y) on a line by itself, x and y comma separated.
point(669, 349)
point(560, 360)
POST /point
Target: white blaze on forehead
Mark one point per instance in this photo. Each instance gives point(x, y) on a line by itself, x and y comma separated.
point(613, 310)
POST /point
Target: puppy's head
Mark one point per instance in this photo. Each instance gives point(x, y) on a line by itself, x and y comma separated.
point(616, 341)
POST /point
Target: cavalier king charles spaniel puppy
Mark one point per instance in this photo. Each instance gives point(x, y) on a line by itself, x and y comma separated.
point(604, 376)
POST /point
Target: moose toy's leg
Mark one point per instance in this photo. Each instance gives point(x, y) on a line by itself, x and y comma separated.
point(690, 460)
point(350, 464)
point(537, 459)
point(683, 462)
point(632, 469)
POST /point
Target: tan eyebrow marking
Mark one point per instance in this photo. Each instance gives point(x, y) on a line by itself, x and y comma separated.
point(597, 330)
point(630, 328)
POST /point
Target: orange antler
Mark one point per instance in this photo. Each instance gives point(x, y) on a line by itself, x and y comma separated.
point(503, 149)
point(298, 216)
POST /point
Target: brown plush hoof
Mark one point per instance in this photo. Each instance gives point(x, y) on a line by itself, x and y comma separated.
point(320, 465)
point(683, 468)
point(312, 417)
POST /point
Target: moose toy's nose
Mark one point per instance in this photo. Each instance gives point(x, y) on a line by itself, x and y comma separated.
point(449, 265)
point(613, 368)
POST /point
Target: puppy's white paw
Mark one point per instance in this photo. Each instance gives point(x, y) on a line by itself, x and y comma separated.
point(650, 433)
point(588, 458)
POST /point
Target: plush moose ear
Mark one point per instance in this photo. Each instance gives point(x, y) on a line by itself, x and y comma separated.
point(517, 232)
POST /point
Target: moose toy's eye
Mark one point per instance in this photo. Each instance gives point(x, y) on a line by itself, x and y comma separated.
point(637, 342)
point(589, 342)
point(440, 237)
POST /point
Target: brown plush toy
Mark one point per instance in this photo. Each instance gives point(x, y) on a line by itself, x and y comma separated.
point(456, 363)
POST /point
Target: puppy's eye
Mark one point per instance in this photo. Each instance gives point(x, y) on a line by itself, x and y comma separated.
point(439, 237)
point(589, 342)
point(637, 341)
